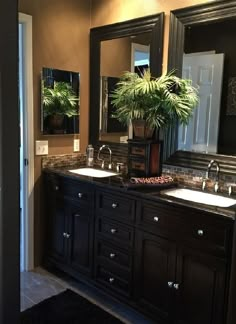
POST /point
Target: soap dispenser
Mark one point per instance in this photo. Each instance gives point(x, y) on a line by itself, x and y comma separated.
point(89, 155)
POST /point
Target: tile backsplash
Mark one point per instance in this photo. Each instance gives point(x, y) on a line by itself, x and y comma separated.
point(193, 178)
point(63, 160)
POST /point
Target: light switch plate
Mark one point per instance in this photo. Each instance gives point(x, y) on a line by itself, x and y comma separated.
point(76, 145)
point(41, 148)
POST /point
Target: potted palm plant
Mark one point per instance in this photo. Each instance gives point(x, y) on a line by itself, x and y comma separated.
point(153, 103)
point(59, 101)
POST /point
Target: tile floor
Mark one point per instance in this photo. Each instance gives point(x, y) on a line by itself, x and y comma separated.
point(40, 284)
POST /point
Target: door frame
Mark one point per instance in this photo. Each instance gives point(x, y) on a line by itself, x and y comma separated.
point(28, 138)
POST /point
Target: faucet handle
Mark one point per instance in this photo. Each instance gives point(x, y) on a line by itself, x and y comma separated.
point(216, 186)
point(230, 187)
point(119, 167)
point(204, 182)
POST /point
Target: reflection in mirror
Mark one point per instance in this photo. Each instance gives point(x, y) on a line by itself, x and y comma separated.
point(118, 55)
point(208, 29)
point(210, 63)
point(59, 102)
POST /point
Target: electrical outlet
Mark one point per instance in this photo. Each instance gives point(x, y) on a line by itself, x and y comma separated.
point(76, 145)
point(41, 148)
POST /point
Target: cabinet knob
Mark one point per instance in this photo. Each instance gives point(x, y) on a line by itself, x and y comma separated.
point(56, 188)
point(176, 286)
point(112, 255)
point(111, 280)
point(156, 219)
point(64, 234)
point(114, 205)
point(113, 230)
point(170, 284)
point(67, 235)
point(80, 195)
point(200, 232)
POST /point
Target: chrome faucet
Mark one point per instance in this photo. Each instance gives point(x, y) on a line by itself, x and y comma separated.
point(216, 185)
point(103, 161)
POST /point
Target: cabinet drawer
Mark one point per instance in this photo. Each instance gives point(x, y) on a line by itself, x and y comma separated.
point(157, 217)
point(210, 236)
point(112, 254)
point(115, 206)
point(121, 234)
point(137, 165)
point(138, 150)
point(112, 281)
point(80, 192)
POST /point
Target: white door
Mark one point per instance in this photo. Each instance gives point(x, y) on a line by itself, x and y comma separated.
point(206, 73)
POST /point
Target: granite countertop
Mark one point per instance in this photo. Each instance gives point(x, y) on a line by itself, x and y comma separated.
point(155, 193)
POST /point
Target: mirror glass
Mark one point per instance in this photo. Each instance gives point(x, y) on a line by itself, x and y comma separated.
point(209, 61)
point(118, 55)
point(59, 102)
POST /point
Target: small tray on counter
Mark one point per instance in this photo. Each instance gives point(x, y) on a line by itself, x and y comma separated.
point(162, 182)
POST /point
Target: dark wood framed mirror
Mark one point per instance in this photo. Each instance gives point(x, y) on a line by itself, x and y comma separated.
point(184, 22)
point(149, 27)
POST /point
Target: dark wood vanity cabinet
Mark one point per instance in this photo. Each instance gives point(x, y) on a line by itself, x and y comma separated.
point(69, 217)
point(181, 277)
point(171, 262)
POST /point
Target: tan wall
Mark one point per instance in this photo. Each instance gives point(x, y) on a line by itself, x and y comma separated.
point(60, 40)
point(111, 11)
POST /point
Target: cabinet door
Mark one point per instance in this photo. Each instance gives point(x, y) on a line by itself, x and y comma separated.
point(154, 274)
point(56, 229)
point(200, 295)
point(81, 238)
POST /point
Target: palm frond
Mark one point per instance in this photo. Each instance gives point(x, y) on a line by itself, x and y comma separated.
point(160, 101)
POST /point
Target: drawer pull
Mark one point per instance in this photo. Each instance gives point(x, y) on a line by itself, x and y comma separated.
point(77, 215)
point(113, 230)
point(111, 280)
point(80, 195)
point(200, 232)
point(66, 235)
point(112, 255)
point(156, 219)
point(56, 188)
point(176, 286)
point(170, 284)
point(114, 205)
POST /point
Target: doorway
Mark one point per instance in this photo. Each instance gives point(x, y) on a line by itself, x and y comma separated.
point(26, 143)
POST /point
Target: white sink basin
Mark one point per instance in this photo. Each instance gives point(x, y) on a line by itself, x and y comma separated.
point(90, 172)
point(200, 197)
